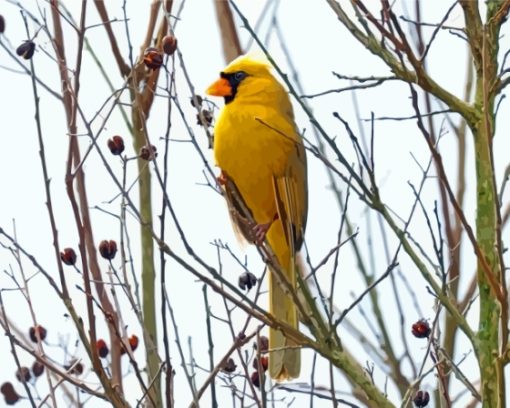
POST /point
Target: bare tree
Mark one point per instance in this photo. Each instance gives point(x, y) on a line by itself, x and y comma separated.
point(383, 347)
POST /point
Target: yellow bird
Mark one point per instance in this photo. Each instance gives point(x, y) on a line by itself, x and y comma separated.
point(259, 149)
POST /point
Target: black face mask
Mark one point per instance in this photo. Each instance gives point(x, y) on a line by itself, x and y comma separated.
point(234, 79)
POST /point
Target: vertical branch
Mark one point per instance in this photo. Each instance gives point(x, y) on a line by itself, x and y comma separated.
point(141, 105)
point(229, 37)
point(82, 217)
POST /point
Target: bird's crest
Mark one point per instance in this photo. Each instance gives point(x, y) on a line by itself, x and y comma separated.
point(249, 64)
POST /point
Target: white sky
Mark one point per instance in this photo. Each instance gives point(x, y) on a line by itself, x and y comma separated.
point(318, 45)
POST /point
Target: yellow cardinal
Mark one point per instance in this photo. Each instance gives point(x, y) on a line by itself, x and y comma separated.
point(259, 149)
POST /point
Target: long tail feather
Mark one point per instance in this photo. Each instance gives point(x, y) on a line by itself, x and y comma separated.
point(284, 360)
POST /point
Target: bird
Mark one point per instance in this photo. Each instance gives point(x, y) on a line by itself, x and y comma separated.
point(259, 150)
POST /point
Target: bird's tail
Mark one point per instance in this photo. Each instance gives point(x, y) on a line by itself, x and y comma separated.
point(285, 356)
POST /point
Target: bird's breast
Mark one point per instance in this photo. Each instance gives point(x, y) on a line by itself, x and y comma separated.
point(251, 152)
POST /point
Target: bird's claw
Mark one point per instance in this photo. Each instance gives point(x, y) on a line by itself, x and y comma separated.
point(260, 231)
point(222, 179)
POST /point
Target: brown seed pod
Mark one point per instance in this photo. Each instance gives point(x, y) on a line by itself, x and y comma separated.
point(169, 44)
point(421, 399)
point(74, 367)
point(102, 348)
point(153, 58)
point(264, 363)
point(9, 393)
point(108, 249)
point(37, 369)
point(68, 256)
point(421, 329)
point(229, 366)
point(263, 344)
point(26, 49)
point(200, 100)
point(35, 331)
point(116, 145)
point(246, 281)
point(2, 24)
point(208, 118)
point(255, 379)
point(133, 342)
point(23, 374)
point(148, 153)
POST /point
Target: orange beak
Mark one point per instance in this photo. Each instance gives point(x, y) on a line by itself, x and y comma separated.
point(219, 88)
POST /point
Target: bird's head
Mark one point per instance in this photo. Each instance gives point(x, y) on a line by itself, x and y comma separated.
point(245, 78)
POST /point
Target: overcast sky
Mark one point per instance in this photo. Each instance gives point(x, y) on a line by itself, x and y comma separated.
point(318, 45)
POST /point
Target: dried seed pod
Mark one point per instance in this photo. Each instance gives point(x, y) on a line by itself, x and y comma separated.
point(229, 366)
point(421, 399)
point(133, 342)
point(255, 379)
point(37, 331)
point(264, 363)
point(263, 344)
point(68, 256)
point(246, 281)
point(208, 118)
point(9, 393)
point(199, 99)
point(74, 367)
point(37, 369)
point(116, 145)
point(2, 24)
point(421, 329)
point(108, 249)
point(26, 49)
point(23, 374)
point(153, 58)
point(102, 348)
point(148, 152)
point(169, 44)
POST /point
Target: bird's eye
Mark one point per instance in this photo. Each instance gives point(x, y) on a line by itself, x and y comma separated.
point(239, 76)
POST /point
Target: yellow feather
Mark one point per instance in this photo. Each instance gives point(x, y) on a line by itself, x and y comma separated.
point(257, 145)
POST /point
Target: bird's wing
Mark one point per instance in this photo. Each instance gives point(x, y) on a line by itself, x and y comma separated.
point(291, 196)
point(238, 210)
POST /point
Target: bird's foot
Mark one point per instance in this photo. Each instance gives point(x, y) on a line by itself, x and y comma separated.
point(222, 178)
point(260, 230)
